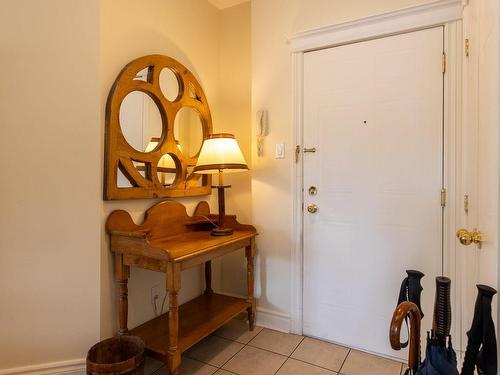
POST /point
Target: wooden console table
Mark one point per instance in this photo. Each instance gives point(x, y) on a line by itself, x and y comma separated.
point(170, 241)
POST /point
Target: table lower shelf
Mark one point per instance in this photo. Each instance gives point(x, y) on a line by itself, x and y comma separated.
point(197, 319)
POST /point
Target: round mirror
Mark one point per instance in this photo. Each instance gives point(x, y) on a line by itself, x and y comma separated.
point(188, 131)
point(167, 170)
point(169, 84)
point(140, 121)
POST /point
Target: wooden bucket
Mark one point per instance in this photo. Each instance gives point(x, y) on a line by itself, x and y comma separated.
point(122, 355)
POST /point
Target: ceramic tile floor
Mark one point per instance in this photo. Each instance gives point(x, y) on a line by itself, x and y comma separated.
point(234, 350)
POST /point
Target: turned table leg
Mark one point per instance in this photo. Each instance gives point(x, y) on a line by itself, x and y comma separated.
point(122, 273)
point(173, 286)
point(208, 277)
point(250, 254)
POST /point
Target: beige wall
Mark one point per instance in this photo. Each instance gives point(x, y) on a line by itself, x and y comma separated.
point(204, 39)
point(50, 197)
point(235, 117)
point(56, 277)
point(273, 22)
point(187, 31)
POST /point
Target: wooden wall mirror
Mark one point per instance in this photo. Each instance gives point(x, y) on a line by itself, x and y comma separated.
point(157, 117)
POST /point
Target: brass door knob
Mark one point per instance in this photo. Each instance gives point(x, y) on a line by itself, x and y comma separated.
point(312, 208)
point(466, 238)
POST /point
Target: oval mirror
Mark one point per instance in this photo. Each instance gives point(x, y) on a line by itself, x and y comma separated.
point(167, 170)
point(169, 84)
point(140, 121)
point(188, 131)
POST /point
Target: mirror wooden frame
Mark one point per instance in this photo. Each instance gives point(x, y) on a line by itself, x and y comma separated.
point(120, 155)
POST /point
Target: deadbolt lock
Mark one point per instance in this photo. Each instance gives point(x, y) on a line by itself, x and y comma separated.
point(466, 238)
point(312, 208)
point(312, 190)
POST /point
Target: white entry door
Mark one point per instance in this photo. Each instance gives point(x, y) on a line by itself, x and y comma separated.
point(479, 196)
point(373, 111)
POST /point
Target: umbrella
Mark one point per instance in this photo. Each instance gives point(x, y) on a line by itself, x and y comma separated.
point(407, 309)
point(440, 358)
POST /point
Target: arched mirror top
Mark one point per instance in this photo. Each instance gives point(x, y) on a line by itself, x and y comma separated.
point(155, 110)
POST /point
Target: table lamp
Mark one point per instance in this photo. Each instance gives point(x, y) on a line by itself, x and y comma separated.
point(220, 154)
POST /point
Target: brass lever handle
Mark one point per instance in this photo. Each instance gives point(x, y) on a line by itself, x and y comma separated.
point(466, 238)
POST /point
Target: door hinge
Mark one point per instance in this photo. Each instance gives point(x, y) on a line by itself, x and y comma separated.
point(444, 62)
point(443, 197)
point(466, 47)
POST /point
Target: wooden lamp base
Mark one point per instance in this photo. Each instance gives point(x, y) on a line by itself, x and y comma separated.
point(221, 230)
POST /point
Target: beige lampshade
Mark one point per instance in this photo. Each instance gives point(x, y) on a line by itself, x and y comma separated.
point(166, 160)
point(220, 152)
point(152, 144)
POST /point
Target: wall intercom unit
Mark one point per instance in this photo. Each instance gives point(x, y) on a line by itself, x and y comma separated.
point(262, 130)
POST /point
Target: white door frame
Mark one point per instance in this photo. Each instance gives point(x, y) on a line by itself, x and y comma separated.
point(447, 13)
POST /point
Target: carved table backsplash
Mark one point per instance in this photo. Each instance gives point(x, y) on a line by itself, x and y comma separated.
point(170, 241)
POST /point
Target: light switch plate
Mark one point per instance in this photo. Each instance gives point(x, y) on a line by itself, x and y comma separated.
point(280, 151)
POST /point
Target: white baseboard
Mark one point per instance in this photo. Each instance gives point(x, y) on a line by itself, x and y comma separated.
point(273, 320)
point(74, 367)
point(267, 318)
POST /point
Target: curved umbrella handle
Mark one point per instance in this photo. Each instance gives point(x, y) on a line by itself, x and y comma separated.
point(403, 310)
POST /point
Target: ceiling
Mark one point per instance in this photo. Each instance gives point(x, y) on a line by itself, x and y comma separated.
point(222, 4)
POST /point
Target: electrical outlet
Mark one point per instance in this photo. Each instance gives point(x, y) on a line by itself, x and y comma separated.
point(155, 293)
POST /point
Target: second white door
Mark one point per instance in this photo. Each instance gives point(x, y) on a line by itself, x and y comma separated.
point(374, 113)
